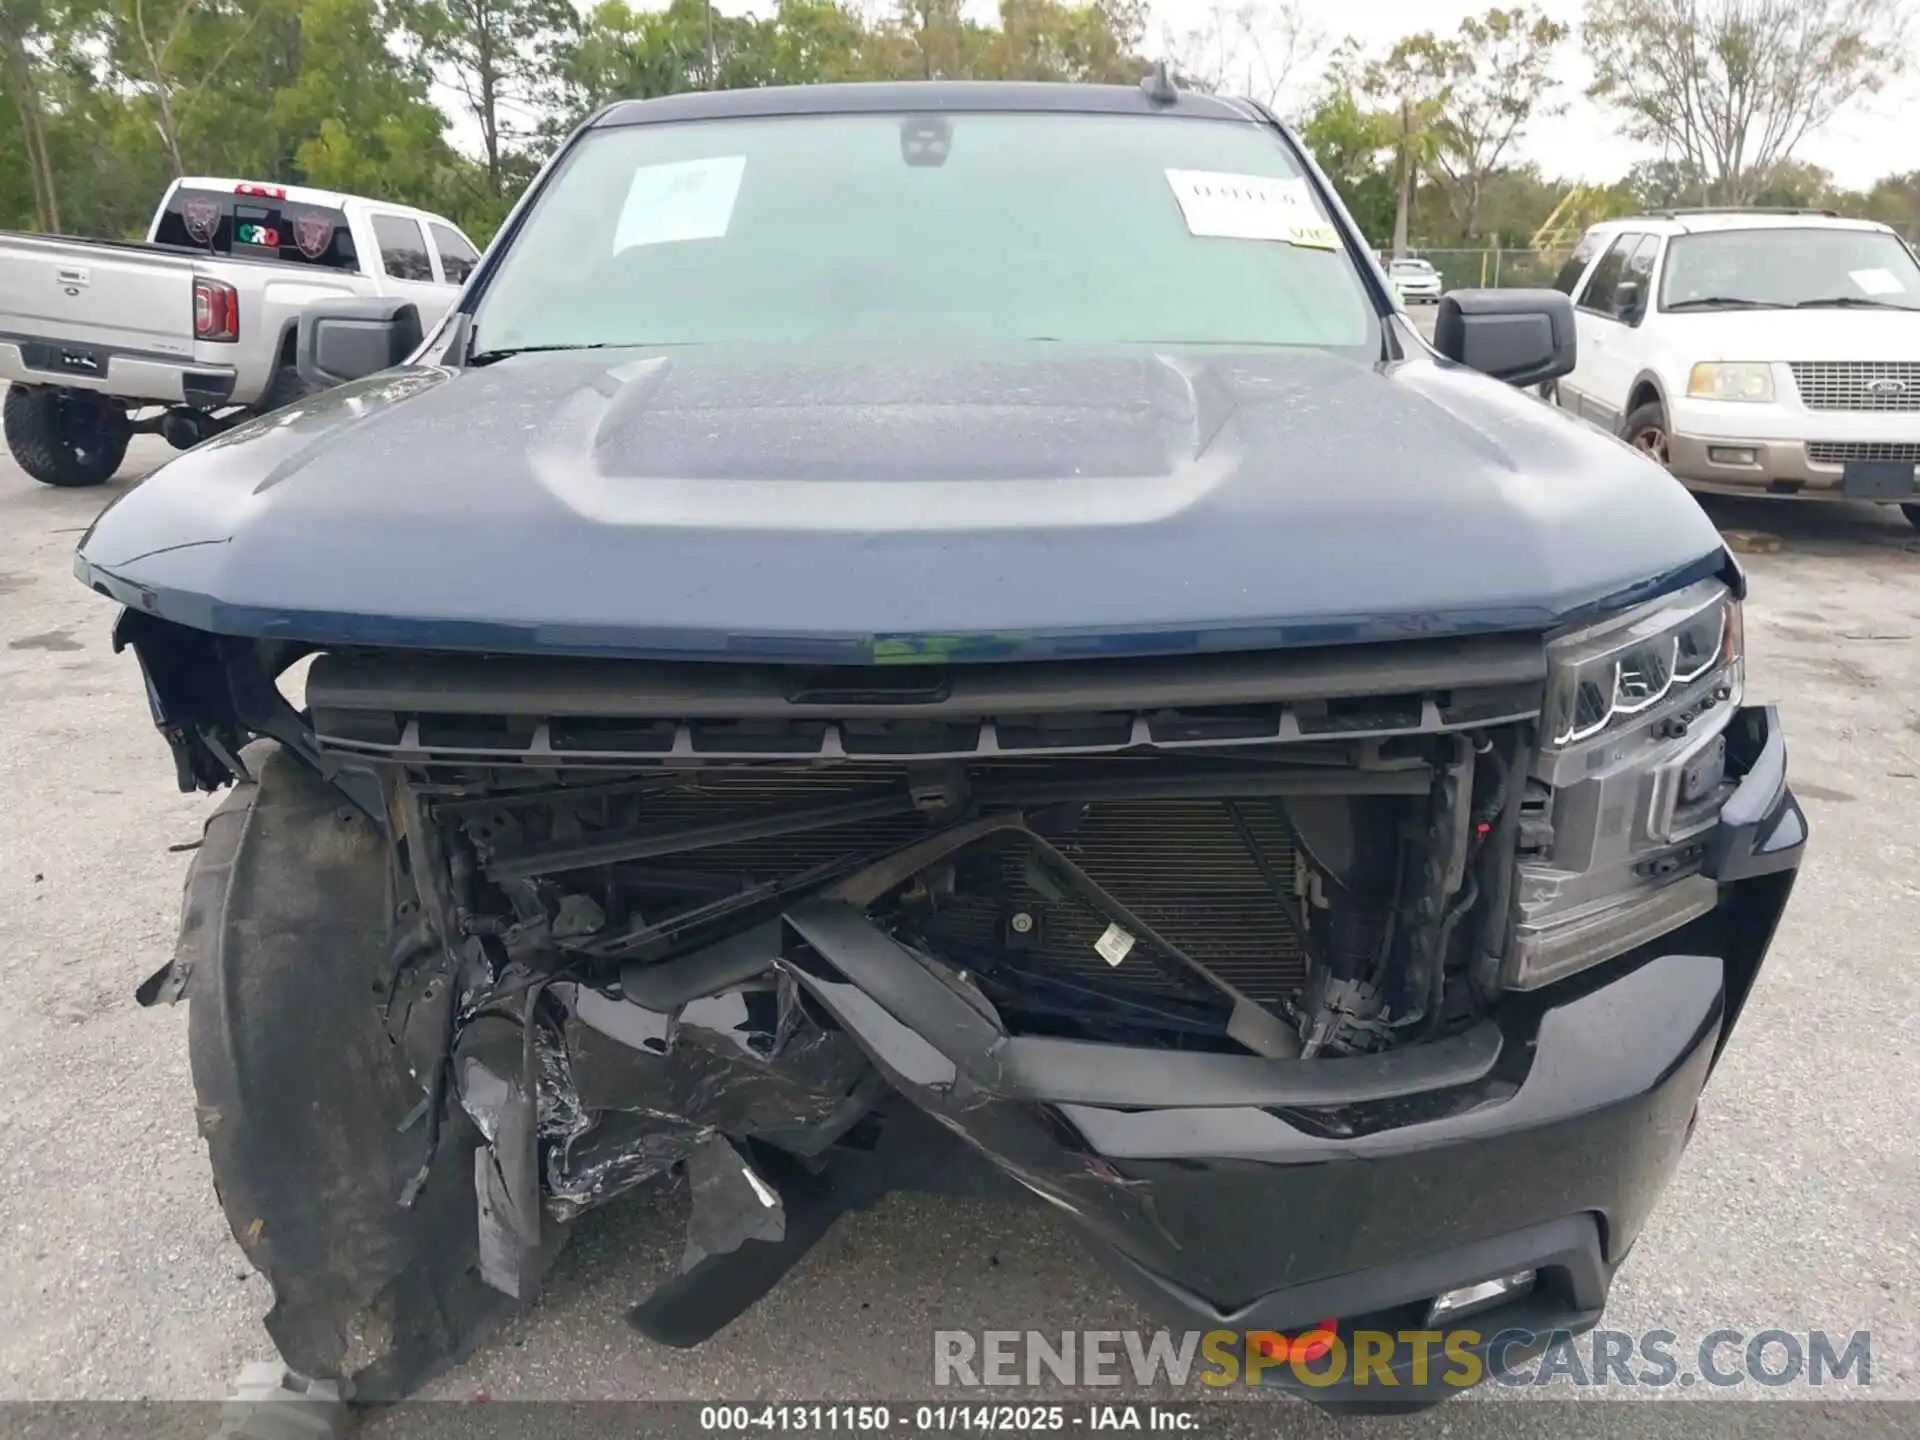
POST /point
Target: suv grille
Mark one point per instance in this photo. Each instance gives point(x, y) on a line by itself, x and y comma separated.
point(1839, 452)
point(1858, 384)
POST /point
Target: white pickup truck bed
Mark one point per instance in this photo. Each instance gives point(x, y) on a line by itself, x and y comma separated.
point(199, 319)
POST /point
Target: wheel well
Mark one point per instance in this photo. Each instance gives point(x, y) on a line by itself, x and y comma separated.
point(289, 345)
point(1644, 393)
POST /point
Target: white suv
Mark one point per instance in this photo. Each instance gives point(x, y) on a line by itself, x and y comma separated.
point(1754, 352)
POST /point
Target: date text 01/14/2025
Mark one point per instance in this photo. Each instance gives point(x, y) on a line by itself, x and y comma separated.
point(935, 1419)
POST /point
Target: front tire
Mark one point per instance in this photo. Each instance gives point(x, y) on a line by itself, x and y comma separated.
point(68, 438)
point(304, 1098)
point(1912, 512)
point(1646, 431)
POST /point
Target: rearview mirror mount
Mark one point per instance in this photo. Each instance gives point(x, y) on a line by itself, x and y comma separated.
point(1520, 336)
point(342, 340)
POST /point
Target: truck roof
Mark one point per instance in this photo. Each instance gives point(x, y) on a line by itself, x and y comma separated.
point(1692, 222)
point(298, 194)
point(897, 97)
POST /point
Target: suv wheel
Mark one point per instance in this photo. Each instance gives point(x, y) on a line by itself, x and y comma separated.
point(68, 438)
point(1912, 512)
point(1646, 430)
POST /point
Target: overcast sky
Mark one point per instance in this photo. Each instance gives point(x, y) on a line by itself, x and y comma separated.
point(1875, 138)
point(1858, 147)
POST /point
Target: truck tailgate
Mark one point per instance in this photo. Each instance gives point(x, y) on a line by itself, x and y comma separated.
point(117, 298)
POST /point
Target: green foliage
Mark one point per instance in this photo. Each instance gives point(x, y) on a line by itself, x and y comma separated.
point(453, 104)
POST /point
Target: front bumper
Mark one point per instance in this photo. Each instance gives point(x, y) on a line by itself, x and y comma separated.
point(1773, 449)
point(1238, 1194)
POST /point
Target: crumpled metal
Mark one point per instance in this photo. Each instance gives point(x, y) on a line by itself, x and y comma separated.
point(626, 1093)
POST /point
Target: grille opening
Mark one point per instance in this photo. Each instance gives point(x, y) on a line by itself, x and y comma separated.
point(1360, 712)
point(635, 736)
point(908, 737)
point(1039, 732)
point(788, 737)
point(1840, 452)
point(1216, 722)
point(478, 732)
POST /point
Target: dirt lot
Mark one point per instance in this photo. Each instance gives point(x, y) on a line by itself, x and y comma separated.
point(1797, 1207)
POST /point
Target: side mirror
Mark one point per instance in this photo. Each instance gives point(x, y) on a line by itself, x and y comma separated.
point(342, 340)
point(1520, 336)
point(1627, 301)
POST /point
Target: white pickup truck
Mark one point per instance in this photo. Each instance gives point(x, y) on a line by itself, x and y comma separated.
point(193, 329)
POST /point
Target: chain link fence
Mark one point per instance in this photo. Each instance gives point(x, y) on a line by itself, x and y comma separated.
point(1494, 269)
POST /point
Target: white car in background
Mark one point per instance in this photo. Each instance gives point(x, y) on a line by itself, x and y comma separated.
point(1754, 352)
point(1416, 280)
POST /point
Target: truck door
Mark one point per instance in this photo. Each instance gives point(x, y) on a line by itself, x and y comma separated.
point(1602, 371)
point(407, 265)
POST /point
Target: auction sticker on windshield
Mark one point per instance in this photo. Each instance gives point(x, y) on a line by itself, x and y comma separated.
point(1877, 282)
point(1250, 207)
point(685, 200)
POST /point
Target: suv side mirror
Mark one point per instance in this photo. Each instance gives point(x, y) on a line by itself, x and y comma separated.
point(1520, 336)
point(342, 340)
point(1627, 301)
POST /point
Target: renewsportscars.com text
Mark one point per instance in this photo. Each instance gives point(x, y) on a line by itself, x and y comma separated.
point(1654, 1359)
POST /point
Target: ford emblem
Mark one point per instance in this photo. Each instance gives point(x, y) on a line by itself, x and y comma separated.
point(1886, 387)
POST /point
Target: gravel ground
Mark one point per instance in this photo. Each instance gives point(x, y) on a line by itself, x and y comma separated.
point(1798, 1205)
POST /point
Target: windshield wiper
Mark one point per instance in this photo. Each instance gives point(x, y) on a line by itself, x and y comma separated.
point(1848, 302)
point(1739, 302)
point(487, 357)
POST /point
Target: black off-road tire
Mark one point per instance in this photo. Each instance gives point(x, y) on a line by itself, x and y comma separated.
point(284, 389)
point(69, 438)
point(304, 1099)
point(1646, 430)
point(1912, 512)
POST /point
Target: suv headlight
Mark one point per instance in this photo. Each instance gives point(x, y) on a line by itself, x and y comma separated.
point(1731, 380)
point(1631, 772)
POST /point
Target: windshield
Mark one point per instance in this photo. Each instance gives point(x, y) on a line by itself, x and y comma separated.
point(926, 228)
point(1790, 266)
point(1412, 267)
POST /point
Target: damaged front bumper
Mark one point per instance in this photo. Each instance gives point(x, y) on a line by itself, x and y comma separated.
point(1243, 1194)
point(811, 1062)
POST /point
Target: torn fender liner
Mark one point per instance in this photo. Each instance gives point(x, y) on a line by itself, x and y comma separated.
point(626, 1092)
point(302, 1096)
point(498, 1060)
point(720, 1286)
point(203, 903)
point(731, 1204)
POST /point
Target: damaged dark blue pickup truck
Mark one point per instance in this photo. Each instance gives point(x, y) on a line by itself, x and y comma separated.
point(947, 637)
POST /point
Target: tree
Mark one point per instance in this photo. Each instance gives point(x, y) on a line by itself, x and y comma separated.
point(27, 28)
point(175, 50)
point(1498, 75)
point(353, 116)
point(501, 58)
point(1245, 47)
point(1094, 42)
point(1411, 89)
point(1473, 94)
point(1731, 87)
point(1353, 144)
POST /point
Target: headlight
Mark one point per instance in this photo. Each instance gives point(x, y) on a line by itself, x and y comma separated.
point(1631, 770)
point(1616, 674)
point(1731, 380)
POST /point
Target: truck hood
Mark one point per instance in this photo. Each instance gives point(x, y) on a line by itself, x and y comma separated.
point(872, 507)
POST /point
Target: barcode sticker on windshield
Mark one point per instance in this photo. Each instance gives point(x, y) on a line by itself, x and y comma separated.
point(1250, 207)
point(687, 200)
point(1877, 282)
point(1114, 945)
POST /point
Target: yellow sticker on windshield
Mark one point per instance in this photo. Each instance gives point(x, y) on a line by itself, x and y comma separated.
point(1251, 207)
